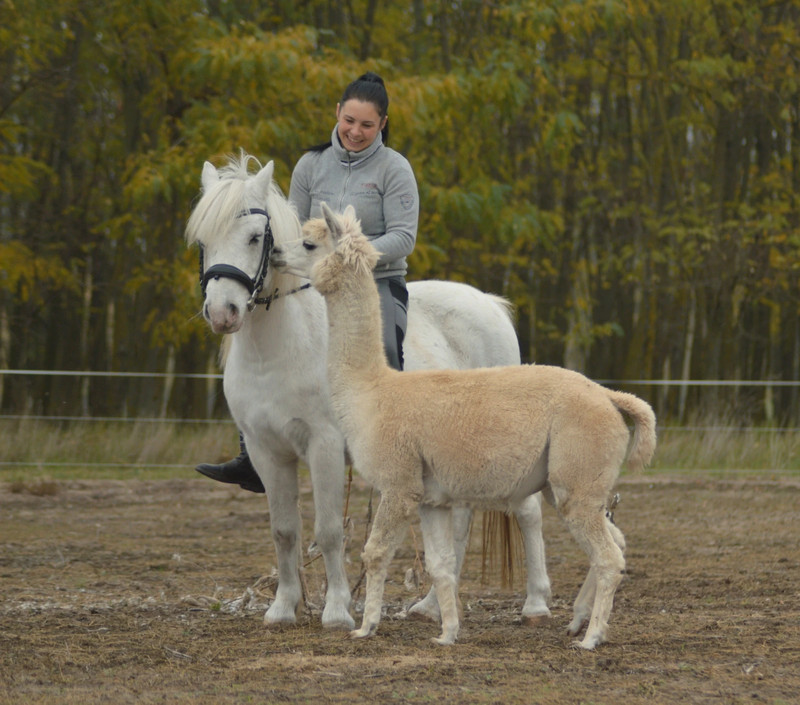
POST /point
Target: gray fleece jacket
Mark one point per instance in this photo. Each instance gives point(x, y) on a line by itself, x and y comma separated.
point(378, 182)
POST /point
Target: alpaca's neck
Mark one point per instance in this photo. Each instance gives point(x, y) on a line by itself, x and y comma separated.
point(355, 346)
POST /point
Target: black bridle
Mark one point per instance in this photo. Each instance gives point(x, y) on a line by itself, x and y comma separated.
point(254, 285)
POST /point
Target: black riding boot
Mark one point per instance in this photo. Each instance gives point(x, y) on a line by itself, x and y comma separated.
point(238, 471)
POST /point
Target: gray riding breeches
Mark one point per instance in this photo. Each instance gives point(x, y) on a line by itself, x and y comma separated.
point(394, 314)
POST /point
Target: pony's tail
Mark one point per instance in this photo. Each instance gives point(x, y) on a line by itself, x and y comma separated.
point(643, 445)
point(501, 537)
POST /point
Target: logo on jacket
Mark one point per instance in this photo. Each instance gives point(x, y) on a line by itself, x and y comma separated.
point(407, 201)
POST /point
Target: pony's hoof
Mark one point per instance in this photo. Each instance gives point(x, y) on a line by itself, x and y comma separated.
point(340, 624)
point(535, 620)
point(279, 623)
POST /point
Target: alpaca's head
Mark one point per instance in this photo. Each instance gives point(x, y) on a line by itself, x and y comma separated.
point(328, 246)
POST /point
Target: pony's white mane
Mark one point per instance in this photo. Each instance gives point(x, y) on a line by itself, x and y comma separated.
point(218, 207)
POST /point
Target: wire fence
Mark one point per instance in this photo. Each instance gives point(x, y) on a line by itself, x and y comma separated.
point(707, 433)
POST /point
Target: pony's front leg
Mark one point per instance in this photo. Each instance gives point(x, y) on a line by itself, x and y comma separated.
point(280, 483)
point(388, 529)
point(529, 518)
point(428, 607)
point(326, 462)
point(440, 562)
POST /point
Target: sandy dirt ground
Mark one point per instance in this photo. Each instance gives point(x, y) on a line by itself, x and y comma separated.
point(154, 592)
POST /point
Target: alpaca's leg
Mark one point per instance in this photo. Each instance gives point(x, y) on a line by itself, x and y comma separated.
point(280, 483)
point(391, 520)
point(582, 608)
point(428, 607)
point(590, 527)
point(326, 462)
point(529, 518)
point(440, 562)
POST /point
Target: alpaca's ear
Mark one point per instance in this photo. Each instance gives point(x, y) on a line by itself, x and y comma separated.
point(334, 226)
point(263, 180)
point(350, 212)
point(210, 176)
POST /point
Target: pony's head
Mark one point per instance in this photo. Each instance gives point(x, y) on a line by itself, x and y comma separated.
point(238, 220)
point(332, 243)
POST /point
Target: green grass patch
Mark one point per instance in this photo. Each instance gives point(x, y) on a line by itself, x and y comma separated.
point(110, 450)
point(37, 450)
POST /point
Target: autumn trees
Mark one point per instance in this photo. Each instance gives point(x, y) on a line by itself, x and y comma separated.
point(626, 172)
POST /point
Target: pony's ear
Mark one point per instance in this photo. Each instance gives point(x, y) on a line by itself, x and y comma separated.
point(210, 176)
point(332, 221)
point(263, 180)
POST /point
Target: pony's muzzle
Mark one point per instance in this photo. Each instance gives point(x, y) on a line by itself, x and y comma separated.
point(225, 318)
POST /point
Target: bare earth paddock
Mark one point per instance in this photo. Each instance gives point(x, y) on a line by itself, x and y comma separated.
point(153, 592)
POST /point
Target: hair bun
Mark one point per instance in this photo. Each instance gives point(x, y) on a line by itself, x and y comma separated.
point(371, 76)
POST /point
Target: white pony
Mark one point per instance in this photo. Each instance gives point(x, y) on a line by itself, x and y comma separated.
point(432, 439)
point(276, 382)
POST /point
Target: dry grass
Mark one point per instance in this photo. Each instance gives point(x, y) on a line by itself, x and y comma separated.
point(159, 450)
point(39, 487)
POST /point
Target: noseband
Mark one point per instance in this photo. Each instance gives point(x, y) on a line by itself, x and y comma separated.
point(254, 285)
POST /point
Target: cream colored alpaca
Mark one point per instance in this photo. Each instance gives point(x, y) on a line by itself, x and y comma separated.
point(487, 438)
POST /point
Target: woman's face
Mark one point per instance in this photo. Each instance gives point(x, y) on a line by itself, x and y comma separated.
point(358, 124)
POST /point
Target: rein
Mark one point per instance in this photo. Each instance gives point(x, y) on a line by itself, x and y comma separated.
point(254, 285)
point(267, 300)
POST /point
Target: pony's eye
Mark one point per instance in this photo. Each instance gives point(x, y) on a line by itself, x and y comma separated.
point(309, 246)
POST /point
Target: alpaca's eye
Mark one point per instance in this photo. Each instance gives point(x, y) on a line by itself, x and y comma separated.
point(309, 246)
point(254, 239)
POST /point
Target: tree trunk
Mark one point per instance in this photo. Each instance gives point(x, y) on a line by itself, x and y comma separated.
point(5, 347)
point(169, 382)
point(688, 348)
point(86, 315)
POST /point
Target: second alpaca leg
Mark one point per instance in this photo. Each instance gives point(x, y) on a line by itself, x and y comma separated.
point(582, 607)
point(440, 561)
point(589, 526)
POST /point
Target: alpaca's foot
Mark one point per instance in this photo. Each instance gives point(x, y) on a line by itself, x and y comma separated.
point(447, 637)
point(443, 641)
point(589, 642)
point(577, 624)
point(366, 630)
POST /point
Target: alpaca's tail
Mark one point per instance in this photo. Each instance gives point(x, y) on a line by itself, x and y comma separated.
point(643, 445)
